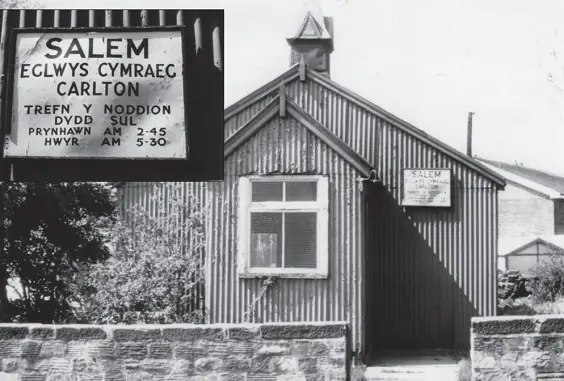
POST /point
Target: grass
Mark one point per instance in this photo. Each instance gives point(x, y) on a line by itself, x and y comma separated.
point(548, 308)
point(528, 306)
point(464, 372)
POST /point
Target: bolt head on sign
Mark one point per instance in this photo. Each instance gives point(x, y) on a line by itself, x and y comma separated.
point(98, 94)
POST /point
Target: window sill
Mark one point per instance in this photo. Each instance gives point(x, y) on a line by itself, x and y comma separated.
point(286, 275)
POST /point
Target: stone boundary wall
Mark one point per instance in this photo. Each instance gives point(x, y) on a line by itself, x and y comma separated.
point(269, 352)
point(527, 348)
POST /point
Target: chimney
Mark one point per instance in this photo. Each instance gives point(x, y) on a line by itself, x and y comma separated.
point(314, 41)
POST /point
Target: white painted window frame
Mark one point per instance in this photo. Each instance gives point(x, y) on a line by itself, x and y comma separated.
point(246, 206)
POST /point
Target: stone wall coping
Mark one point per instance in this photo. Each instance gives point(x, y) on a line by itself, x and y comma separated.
point(513, 317)
point(175, 332)
point(184, 326)
point(517, 325)
point(271, 351)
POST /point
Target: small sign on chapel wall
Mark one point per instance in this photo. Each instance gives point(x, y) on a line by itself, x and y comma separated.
point(427, 187)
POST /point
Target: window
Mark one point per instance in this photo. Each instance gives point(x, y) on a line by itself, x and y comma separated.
point(283, 226)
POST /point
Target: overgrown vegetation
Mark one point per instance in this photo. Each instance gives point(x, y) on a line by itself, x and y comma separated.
point(548, 278)
point(464, 372)
point(541, 293)
point(155, 273)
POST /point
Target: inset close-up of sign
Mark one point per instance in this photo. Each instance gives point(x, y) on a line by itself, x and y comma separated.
point(112, 95)
point(427, 187)
point(108, 94)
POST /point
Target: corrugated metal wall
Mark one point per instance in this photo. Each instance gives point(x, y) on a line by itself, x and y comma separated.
point(426, 272)
point(283, 146)
point(203, 40)
point(458, 246)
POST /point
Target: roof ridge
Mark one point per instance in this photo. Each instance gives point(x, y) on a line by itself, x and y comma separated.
point(521, 166)
point(527, 174)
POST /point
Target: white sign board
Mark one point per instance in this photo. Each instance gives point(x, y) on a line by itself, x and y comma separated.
point(103, 94)
point(427, 187)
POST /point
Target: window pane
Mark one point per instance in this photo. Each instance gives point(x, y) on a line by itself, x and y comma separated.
point(266, 239)
point(301, 191)
point(266, 191)
point(301, 240)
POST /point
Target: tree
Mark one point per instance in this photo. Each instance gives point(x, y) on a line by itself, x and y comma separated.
point(155, 273)
point(50, 231)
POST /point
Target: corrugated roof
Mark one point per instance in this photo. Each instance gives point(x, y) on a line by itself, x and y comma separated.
point(331, 85)
point(545, 179)
point(408, 128)
point(293, 72)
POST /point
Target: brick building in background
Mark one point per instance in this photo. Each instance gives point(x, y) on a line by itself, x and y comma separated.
point(531, 215)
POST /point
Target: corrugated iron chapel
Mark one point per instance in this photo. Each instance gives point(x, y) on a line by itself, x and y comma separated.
point(313, 201)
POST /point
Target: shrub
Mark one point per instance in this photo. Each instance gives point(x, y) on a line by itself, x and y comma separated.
point(155, 273)
point(548, 278)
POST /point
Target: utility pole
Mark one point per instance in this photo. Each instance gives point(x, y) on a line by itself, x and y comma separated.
point(3, 188)
point(469, 138)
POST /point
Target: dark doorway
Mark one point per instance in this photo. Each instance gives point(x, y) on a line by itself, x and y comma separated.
point(414, 306)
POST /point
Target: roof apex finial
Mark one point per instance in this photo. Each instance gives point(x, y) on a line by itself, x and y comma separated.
point(312, 25)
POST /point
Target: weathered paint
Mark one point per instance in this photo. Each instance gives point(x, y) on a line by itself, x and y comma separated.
point(412, 277)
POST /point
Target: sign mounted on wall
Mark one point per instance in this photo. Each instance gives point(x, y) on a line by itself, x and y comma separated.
point(110, 94)
point(427, 187)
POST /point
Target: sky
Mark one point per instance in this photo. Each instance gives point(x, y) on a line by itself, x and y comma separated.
point(427, 62)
